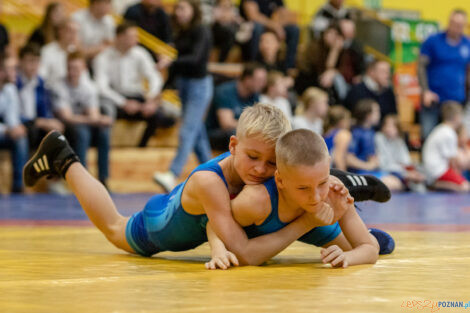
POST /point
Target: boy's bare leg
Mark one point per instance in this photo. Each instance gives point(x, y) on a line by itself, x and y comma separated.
point(98, 205)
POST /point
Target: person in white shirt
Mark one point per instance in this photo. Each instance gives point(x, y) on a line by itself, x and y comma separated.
point(76, 103)
point(35, 103)
point(276, 93)
point(440, 151)
point(97, 27)
point(312, 111)
point(120, 71)
point(53, 65)
point(12, 132)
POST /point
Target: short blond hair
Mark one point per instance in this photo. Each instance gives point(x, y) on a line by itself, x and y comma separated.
point(309, 96)
point(301, 147)
point(264, 121)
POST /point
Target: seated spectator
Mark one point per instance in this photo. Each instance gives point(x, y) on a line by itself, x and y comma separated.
point(337, 135)
point(45, 32)
point(96, 27)
point(440, 151)
point(362, 157)
point(270, 52)
point(35, 103)
point(76, 103)
point(463, 157)
point(4, 41)
point(120, 71)
point(318, 65)
point(276, 93)
point(270, 14)
point(53, 65)
point(12, 132)
point(151, 17)
point(394, 156)
point(10, 64)
point(351, 63)
point(330, 13)
point(375, 85)
point(226, 24)
point(313, 110)
point(230, 99)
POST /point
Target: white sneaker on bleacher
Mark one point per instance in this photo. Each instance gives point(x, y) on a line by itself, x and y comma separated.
point(167, 180)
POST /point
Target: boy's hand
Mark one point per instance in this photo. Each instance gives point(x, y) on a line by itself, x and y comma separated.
point(321, 217)
point(339, 198)
point(335, 256)
point(222, 261)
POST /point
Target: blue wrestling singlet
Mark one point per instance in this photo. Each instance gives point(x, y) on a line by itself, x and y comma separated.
point(319, 236)
point(164, 224)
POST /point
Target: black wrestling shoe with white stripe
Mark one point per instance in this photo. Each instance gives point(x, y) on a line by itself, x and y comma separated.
point(53, 158)
point(363, 187)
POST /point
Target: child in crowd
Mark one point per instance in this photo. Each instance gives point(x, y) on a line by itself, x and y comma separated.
point(301, 185)
point(227, 21)
point(362, 157)
point(337, 135)
point(393, 154)
point(276, 93)
point(463, 156)
point(312, 111)
point(440, 151)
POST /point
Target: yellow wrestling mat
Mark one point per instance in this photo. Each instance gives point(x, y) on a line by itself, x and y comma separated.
point(74, 269)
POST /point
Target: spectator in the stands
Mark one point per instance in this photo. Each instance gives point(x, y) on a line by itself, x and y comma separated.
point(375, 85)
point(352, 59)
point(271, 14)
point(53, 65)
point(440, 151)
point(276, 93)
point(76, 103)
point(12, 133)
point(4, 40)
point(443, 69)
point(96, 27)
point(394, 156)
point(330, 13)
point(318, 65)
point(313, 110)
point(338, 135)
point(195, 86)
point(46, 31)
point(151, 17)
point(270, 52)
point(122, 72)
point(230, 99)
point(35, 101)
point(10, 64)
point(362, 157)
point(226, 24)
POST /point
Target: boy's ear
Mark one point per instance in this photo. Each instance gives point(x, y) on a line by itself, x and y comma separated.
point(233, 144)
point(278, 179)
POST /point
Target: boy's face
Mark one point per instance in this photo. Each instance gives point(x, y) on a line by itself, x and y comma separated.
point(254, 159)
point(375, 115)
point(307, 186)
point(30, 65)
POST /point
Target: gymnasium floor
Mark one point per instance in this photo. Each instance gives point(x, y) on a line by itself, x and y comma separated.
point(52, 260)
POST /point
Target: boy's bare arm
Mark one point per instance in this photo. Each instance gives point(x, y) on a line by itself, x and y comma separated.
point(364, 249)
point(220, 257)
point(213, 196)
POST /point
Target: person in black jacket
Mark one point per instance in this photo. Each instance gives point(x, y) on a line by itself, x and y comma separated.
point(195, 86)
point(375, 85)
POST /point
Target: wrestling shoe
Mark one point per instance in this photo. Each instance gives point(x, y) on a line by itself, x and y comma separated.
point(386, 242)
point(363, 187)
point(53, 158)
point(166, 180)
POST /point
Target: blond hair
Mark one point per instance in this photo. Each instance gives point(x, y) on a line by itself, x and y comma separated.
point(450, 109)
point(310, 95)
point(301, 147)
point(263, 120)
